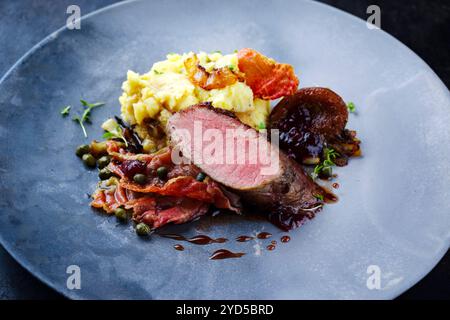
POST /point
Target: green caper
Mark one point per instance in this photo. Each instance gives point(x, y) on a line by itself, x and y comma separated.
point(82, 150)
point(98, 148)
point(139, 178)
point(121, 214)
point(89, 160)
point(103, 162)
point(142, 229)
point(326, 172)
point(104, 174)
point(162, 172)
point(200, 177)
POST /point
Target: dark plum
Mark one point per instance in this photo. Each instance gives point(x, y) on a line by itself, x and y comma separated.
point(309, 120)
point(132, 167)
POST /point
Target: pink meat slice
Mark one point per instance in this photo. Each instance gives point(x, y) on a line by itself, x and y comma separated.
point(265, 178)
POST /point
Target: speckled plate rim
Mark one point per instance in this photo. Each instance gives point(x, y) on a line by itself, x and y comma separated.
point(23, 261)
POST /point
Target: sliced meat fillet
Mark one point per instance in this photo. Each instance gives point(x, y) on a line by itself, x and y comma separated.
point(265, 177)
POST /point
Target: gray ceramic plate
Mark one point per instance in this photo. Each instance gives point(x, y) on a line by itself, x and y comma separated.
point(394, 203)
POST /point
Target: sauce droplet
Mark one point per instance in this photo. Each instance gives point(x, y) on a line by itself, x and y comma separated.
point(203, 239)
point(244, 238)
point(225, 254)
point(329, 197)
point(335, 185)
point(173, 236)
point(178, 247)
point(271, 247)
point(264, 235)
point(200, 239)
point(285, 239)
point(273, 242)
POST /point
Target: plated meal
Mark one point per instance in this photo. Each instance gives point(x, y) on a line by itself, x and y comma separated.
point(197, 133)
point(401, 119)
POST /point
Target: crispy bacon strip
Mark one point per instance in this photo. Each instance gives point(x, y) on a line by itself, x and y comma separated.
point(181, 180)
point(181, 210)
point(268, 79)
point(141, 205)
point(153, 211)
point(208, 192)
point(216, 79)
point(110, 200)
point(115, 151)
point(179, 199)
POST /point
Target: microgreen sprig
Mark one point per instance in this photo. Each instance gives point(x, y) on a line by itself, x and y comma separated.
point(329, 155)
point(85, 117)
point(351, 107)
point(261, 126)
point(65, 111)
point(115, 132)
point(318, 197)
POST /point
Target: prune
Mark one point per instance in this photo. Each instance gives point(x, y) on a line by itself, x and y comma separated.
point(308, 120)
point(132, 167)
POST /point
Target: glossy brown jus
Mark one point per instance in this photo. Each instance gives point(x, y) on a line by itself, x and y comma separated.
point(285, 239)
point(200, 239)
point(263, 235)
point(225, 254)
point(328, 196)
point(271, 247)
point(179, 247)
point(244, 238)
point(335, 185)
point(173, 236)
point(203, 239)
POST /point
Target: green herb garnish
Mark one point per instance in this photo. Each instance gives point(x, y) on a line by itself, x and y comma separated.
point(261, 126)
point(217, 51)
point(113, 131)
point(351, 107)
point(325, 167)
point(317, 169)
point(85, 117)
point(318, 197)
point(108, 135)
point(157, 72)
point(65, 111)
point(231, 67)
point(330, 154)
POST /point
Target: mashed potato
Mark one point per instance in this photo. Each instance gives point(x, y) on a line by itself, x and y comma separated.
point(166, 89)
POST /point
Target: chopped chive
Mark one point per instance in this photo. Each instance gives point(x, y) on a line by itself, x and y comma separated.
point(319, 197)
point(65, 111)
point(351, 107)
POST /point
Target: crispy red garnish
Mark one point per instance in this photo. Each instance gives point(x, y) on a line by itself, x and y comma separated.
point(216, 79)
point(181, 180)
point(185, 186)
point(268, 79)
point(110, 200)
point(178, 198)
point(153, 211)
point(141, 205)
point(181, 210)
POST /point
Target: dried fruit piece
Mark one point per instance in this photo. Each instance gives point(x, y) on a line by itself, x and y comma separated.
point(216, 79)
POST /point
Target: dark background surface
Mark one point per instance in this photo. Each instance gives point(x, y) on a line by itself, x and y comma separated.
point(424, 26)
